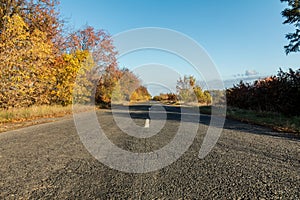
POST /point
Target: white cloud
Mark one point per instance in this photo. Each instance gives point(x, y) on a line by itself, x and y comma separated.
point(251, 73)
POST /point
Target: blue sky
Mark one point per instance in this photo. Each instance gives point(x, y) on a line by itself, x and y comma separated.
point(239, 35)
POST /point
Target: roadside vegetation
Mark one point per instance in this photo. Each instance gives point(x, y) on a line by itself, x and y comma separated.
point(276, 121)
point(187, 92)
point(14, 118)
point(44, 69)
point(279, 94)
point(36, 112)
point(273, 101)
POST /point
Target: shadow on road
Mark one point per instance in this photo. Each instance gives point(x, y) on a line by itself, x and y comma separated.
point(176, 113)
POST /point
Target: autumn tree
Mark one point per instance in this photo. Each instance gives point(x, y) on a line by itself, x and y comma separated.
point(41, 65)
point(39, 15)
point(98, 43)
point(73, 80)
point(106, 85)
point(185, 88)
point(207, 97)
point(25, 78)
point(140, 94)
point(292, 16)
point(129, 82)
point(28, 31)
point(201, 97)
point(119, 85)
point(172, 97)
point(104, 73)
point(167, 97)
point(189, 91)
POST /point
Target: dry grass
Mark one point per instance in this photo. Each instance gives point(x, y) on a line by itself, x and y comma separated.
point(36, 112)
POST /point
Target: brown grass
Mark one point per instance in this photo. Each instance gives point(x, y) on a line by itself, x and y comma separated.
point(35, 112)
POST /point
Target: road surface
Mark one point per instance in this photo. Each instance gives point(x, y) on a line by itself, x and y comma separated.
point(49, 161)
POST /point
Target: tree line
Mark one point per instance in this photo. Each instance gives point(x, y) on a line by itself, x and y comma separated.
point(43, 64)
point(280, 93)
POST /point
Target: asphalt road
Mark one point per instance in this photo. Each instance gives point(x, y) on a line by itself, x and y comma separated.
point(49, 161)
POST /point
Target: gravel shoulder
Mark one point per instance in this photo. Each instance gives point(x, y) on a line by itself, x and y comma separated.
point(49, 161)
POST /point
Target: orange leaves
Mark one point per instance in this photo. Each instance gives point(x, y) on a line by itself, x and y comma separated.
point(140, 94)
point(120, 85)
point(97, 42)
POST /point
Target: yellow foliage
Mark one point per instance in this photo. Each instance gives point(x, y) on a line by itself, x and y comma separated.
point(140, 94)
point(25, 59)
point(73, 77)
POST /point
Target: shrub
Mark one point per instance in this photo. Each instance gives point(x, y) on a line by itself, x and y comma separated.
point(280, 93)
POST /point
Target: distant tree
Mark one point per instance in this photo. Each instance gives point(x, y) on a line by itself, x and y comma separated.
point(106, 85)
point(199, 94)
point(185, 88)
point(218, 96)
point(189, 91)
point(119, 85)
point(140, 94)
point(167, 97)
point(129, 82)
point(172, 97)
point(207, 97)
point(292, 15)
point(117, 94)
point(157, 98)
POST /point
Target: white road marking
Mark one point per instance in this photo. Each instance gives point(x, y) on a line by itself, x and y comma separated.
point(147, 123)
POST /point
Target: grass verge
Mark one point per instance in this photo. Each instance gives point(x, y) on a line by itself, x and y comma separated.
point(276, 121)
point(20, 117)
point(34, 112)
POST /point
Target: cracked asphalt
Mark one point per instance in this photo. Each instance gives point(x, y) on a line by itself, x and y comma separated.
point(49, 161)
